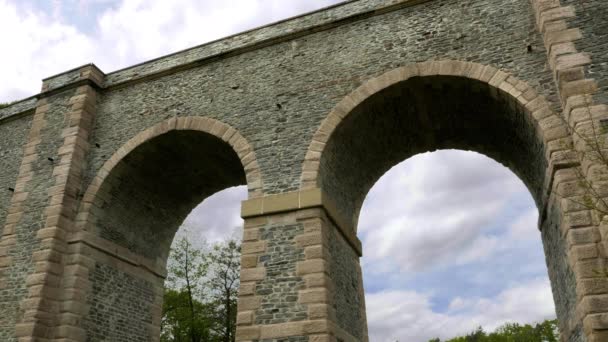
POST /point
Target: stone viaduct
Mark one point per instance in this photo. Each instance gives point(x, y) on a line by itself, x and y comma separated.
point(99, 170)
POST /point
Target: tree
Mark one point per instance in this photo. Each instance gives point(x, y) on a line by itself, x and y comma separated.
point(201, 292)
point(177, 324)
point(183, 308)
point(549, 330)
point(224, 284)
point(546, 331)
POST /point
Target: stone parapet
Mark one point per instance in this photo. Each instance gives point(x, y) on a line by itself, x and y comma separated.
point(258, 38)
point(27, 105)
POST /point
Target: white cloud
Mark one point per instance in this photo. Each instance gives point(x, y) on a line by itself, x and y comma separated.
point(525, 226)
point(218, 217)
point(34, 47)
point(437, 209)
point(448, 208)
point(408, 315)
point(454, 238)
point(434, 210)
point(46, 41)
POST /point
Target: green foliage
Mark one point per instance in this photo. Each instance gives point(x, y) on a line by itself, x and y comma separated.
point(187, 267)
point(6, 104)
point(201, 293)
point(225, 259)
point(184, 317)
point(177, 323)
point(546, 331)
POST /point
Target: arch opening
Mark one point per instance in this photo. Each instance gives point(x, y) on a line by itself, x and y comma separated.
point(439, 264)
point(134, 207)
point(424, 114)
point(412, 110)
point(203, 270)
point(153, 188)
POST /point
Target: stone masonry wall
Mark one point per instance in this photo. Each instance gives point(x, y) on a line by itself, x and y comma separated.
point(276, 254)
point(290, 287)
point(270, 281)
point(277, 96)
point(24, 241)
point(13, 135)
point(299, 274)
point(561, 274)
point(18, 109)
point(120, 306)
point(349, 302)
point(573, 37)
point(591, 18)
point(279, 290)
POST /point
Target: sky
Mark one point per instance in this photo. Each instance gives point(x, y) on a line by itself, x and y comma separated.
point(477, 262)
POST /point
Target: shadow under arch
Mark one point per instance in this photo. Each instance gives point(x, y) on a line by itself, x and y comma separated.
point(141, 195)
point(428, 106)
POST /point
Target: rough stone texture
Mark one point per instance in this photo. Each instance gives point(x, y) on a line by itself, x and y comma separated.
point(288, 339)
point(278, 95)
point(345, 273)
point(560, 273)
point(591, 19)
point(303, 24)
point(249, 109)
point(280, 288)
point(119, 306)
point(14, 277)
point(19, 107)
point(149, 197)
point(13, 135)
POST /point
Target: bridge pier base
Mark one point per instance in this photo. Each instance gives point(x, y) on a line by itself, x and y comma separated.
point(300, 276)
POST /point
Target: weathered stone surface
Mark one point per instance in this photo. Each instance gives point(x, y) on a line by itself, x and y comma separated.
point(308, 113)
point(590, 18)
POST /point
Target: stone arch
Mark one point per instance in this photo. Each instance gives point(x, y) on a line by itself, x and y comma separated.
point(550, 129)
point(98, 190)
point(195, 123)
point(434, 105)
point(132, 208)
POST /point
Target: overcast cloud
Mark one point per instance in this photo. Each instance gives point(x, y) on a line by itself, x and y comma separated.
point(450, 239)
point(445, 202)
point(450, 243)
point(49, 37)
